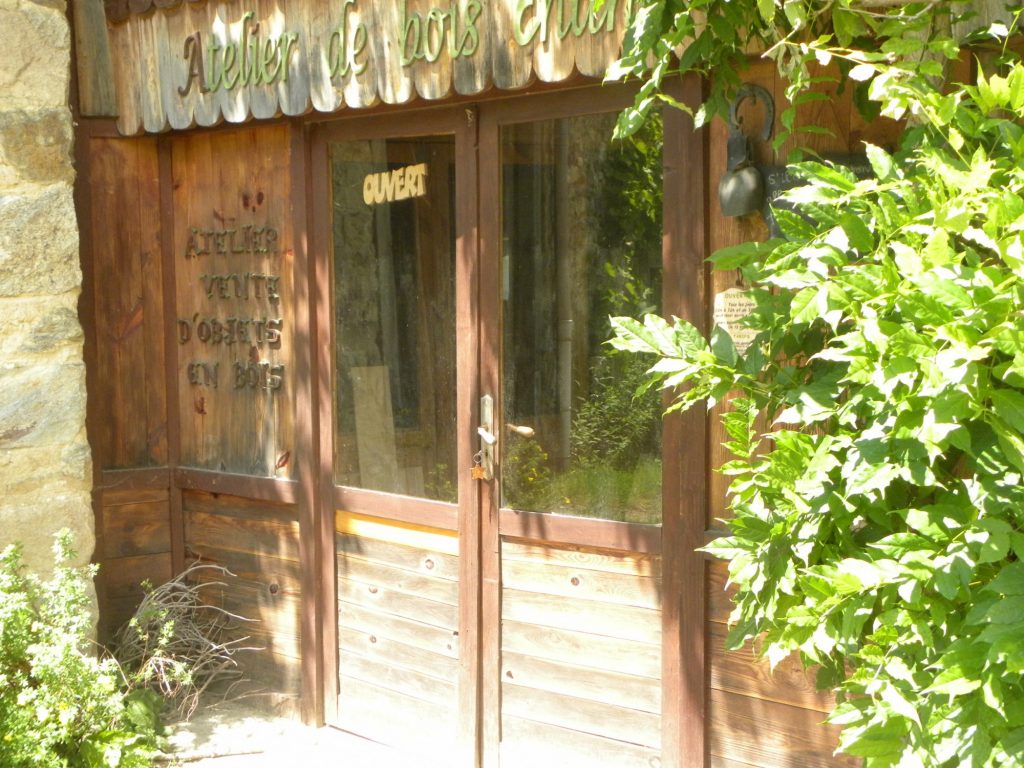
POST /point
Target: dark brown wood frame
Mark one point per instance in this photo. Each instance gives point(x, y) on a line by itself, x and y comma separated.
point(460, 123)
point(682, 529)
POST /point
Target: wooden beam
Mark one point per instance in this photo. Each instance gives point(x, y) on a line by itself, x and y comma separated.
point(173, 414)
point(685, 449)
point(273, 489)
point(467, 409)
point(311, 541)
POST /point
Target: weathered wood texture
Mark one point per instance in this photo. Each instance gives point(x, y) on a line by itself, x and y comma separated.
point(259, 543)
point(580, 656)
point(134, 546)
point(122, 238)
point(93, 68)
point(388, 52)
point(398, 632)
point(233, 263)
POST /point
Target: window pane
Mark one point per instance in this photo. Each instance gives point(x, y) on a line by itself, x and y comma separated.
point(581, 227)
point(394, 314)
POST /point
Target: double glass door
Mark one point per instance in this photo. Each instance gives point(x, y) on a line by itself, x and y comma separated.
point(497, 475)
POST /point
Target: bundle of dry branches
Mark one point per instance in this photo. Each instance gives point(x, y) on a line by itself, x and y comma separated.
point(177, 644)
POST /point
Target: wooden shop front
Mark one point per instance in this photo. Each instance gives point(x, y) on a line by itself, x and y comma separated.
point(348, 271)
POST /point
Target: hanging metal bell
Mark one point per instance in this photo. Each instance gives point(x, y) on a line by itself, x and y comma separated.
point(741, 191)
point(741, 188)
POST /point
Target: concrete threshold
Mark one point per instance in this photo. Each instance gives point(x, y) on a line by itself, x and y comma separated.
point(236, 735)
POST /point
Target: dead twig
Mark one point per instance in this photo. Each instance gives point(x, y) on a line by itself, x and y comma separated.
point(176, 643)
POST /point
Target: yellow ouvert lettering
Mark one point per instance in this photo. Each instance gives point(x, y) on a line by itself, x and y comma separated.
point(398, 184)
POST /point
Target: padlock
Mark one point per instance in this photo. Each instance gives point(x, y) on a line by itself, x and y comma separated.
point(741, 188)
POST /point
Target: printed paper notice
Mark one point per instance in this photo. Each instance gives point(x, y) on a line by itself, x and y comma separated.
point(731, 306)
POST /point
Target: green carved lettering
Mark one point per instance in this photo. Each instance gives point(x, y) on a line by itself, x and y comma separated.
point(410, 27)
point(194, 57)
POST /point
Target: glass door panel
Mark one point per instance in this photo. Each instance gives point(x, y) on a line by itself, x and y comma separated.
point(581, 241)
point(397, 586)
point(394, 305)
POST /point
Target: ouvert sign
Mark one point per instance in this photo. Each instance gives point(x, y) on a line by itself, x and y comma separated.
point(200, 64)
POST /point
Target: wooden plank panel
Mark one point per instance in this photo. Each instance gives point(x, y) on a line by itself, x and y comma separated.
point(136, 529)
point(561, 645)
point(126, 81)
point(764, 733)
point(611, 561)
point(95, 73)
point(419, 684)
point(584, 715)
point(123, 576)
point(742, 672)
point(234, 261)
point(370, 574)
point(382, 598)
point(395, 719)
point(398, 628)
point(719, 599)
point(472, 74)
point(642, 625)
point(128, 379)
point(512, 64)
point(270, 676)
point(432, 80)
point(573, 583)
point(581, 682)
point(277, 538)
point(528, 744)
point(237, 506)
point(426, 562)
point(315, 56)
point(385, 650)
point(250, 566)
point(121, 497)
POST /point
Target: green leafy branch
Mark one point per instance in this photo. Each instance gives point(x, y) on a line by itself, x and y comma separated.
point(877, 529)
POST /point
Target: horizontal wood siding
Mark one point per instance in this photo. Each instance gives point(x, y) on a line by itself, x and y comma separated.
point(134, 547)
point(398, 638)
point(580, 656)
point(258, 542)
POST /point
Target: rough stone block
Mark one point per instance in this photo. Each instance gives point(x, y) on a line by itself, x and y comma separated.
point(35, 147)
point(39, 242)
point(40, 325)
point(41, 404)
point(36, 65)
point(32, 520)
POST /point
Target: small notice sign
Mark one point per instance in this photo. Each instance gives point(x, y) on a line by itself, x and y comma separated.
point(730, 307)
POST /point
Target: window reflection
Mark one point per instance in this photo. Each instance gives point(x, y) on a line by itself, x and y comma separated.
point(394, 312)
point(581, 228)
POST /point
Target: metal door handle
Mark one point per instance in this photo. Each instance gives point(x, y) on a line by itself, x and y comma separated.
point(487, 437)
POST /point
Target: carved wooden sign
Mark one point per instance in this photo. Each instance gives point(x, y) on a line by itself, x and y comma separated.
point(199, 64)
point(234, 302)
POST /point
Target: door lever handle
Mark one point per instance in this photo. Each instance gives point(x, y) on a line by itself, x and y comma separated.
point(487, 437)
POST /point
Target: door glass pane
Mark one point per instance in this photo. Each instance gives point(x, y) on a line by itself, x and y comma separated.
point(394, 312)
point(581, 229)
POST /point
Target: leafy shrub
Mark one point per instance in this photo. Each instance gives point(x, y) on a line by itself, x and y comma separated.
point(882, 536)
point(61, 706)
point(176, 646)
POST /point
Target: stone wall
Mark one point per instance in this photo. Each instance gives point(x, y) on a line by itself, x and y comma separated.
point(45, 472)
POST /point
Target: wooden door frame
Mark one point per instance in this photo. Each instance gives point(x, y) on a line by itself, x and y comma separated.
point(463, 517)
point(684, 460)
point(477, 517)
